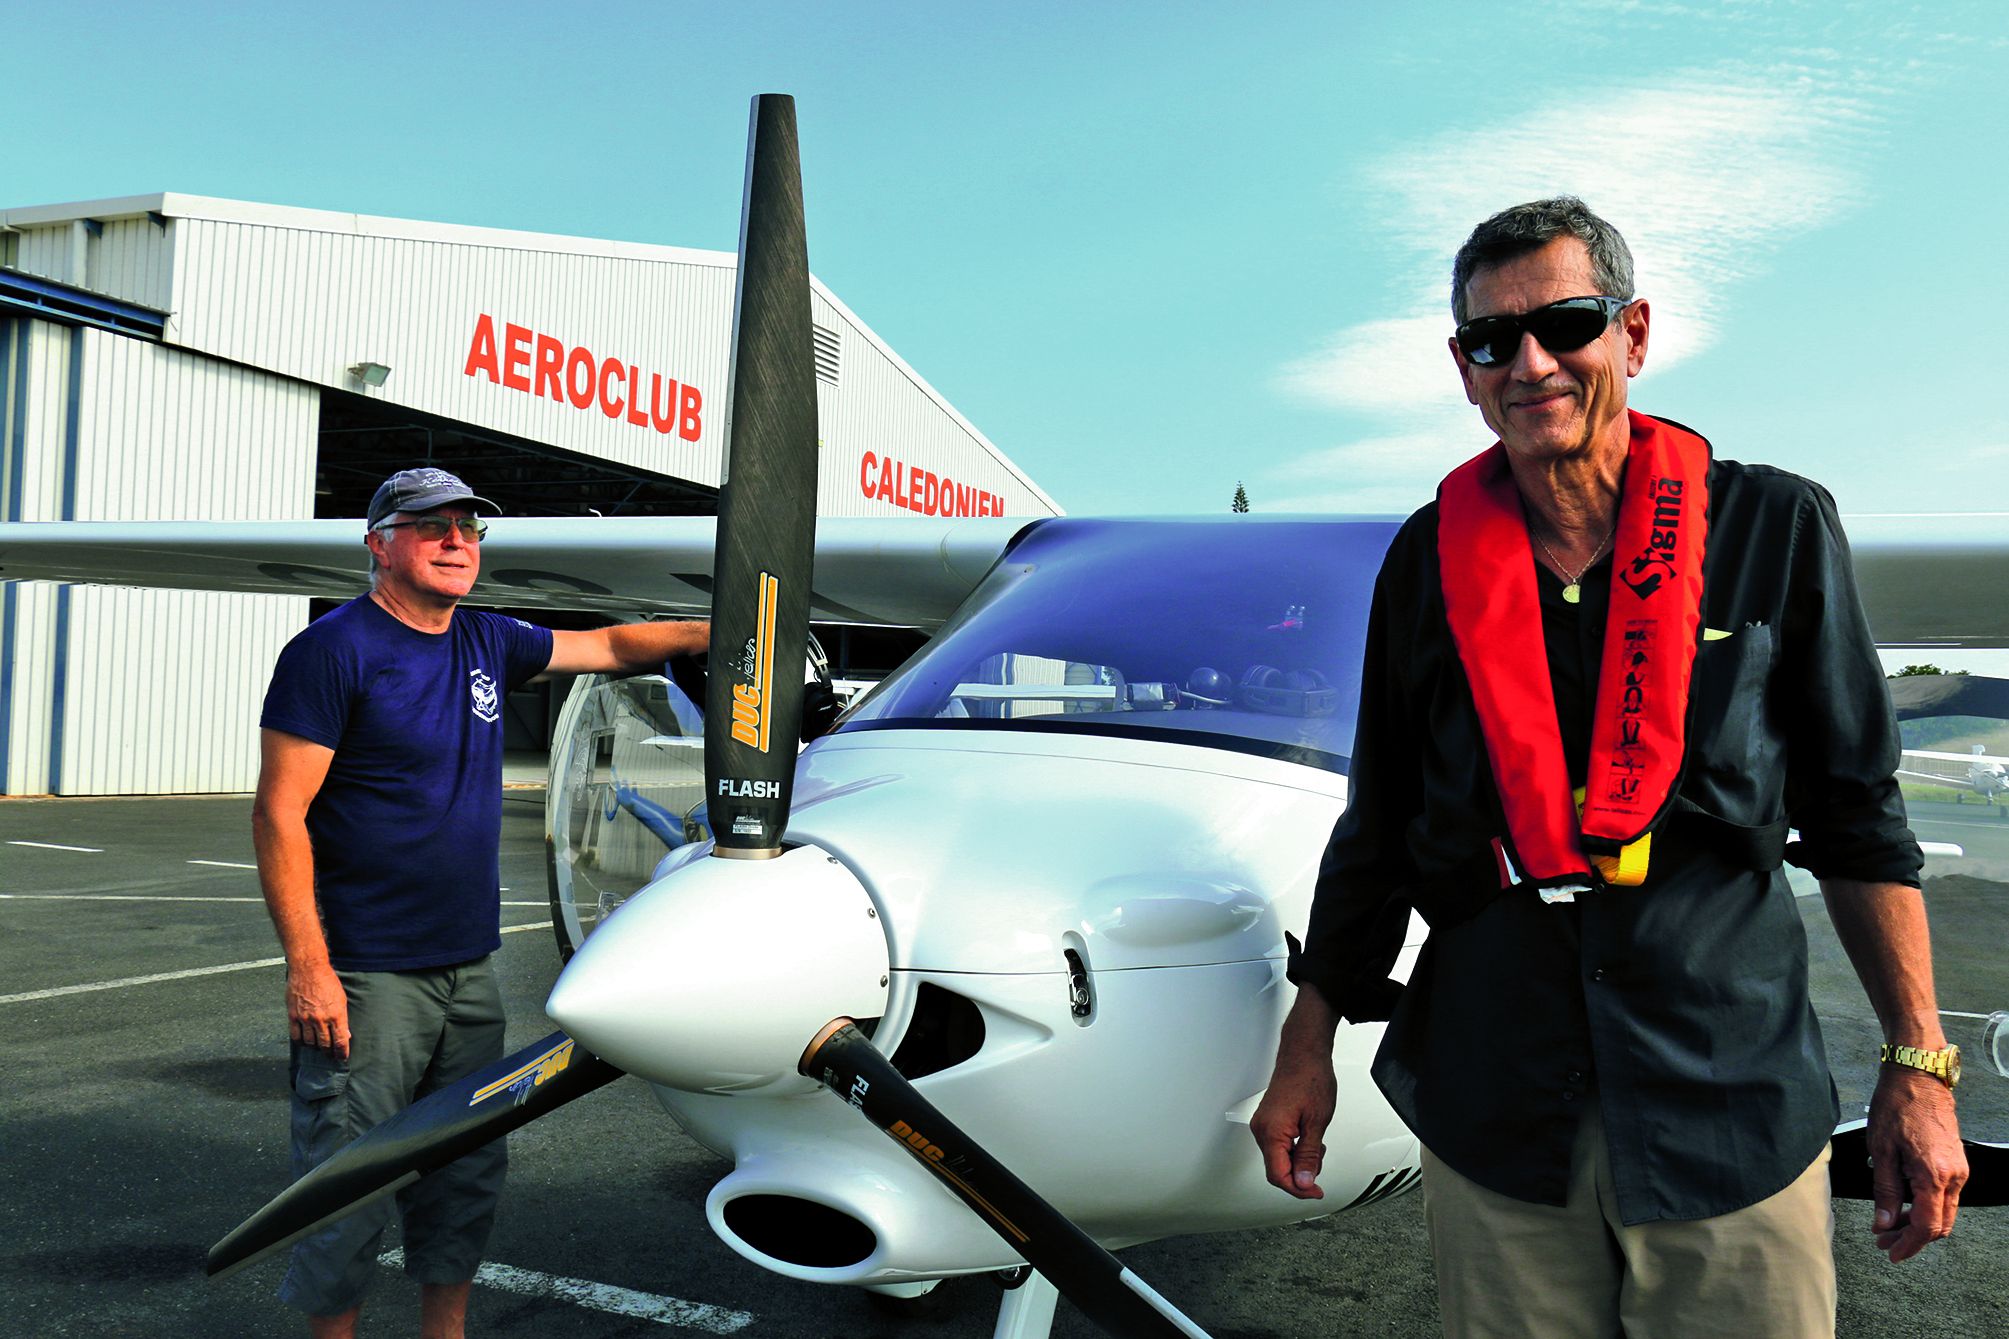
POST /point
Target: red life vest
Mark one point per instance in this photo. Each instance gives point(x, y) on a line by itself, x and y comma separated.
point(1639, 731)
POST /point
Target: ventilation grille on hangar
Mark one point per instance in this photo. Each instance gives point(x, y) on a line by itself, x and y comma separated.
point(827, 349)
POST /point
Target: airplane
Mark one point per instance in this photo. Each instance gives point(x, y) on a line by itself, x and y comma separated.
point(1023, 907)
point(1987, 777)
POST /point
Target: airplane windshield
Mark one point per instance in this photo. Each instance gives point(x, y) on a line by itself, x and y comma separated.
point(1239, 632)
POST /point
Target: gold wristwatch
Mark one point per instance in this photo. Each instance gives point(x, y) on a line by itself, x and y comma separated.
point(1942, 1065)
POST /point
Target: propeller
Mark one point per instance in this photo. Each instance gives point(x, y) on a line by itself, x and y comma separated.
point(646, 993)
point(424, 1137)
point(767, 514)
point(847, 1063)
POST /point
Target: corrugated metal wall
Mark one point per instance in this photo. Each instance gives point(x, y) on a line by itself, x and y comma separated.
point(132, 259)
point(109, 692)
point(518, 333)
point(54, 252)
point(34, 617)
point(464, 326)
point(310, 304)
point(885, 431)
point(143, 692)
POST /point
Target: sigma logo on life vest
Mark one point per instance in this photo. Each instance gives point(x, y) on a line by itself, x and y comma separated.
point(543, 365)
point(1655, 563)
point(752, 716)
point(916, 489)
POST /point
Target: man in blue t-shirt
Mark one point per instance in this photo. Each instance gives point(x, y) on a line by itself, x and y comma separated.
point(377, 825)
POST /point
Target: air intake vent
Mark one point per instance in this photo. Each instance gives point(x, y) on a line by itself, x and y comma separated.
point(946, 1030)
point(799, 1231)
point(828, 347)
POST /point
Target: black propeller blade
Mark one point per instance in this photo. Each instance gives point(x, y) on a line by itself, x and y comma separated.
point(767, 515)
point(1094, 1280)
point(424, 1137)
point(1850, 1177)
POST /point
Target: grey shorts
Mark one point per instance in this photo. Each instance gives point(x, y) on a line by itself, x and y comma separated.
point(410, 1032)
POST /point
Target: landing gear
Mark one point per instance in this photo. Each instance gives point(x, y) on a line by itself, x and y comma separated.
point(1027, 1311)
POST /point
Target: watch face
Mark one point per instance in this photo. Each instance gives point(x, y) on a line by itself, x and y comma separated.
point(1952, 1065)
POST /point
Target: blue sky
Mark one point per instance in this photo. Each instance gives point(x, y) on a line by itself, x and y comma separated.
point(1152, 250)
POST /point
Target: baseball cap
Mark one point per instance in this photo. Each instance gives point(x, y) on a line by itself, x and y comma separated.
point(422, 490)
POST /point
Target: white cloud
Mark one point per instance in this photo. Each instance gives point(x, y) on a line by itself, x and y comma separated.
point(1389, 472)
point(1388, 366)
point(1962, 460)
point(1706, 173)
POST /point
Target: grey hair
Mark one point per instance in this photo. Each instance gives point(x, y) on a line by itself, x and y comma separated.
point(369, 530)
point(1532, 226)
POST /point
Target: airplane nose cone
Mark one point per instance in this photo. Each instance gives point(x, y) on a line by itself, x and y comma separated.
point(717, 977)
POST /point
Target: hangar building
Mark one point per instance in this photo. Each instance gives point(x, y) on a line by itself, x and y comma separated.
point(173, 357)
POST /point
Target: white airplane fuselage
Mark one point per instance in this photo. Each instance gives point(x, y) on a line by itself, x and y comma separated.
point(1168, 870)
point(1986, 776)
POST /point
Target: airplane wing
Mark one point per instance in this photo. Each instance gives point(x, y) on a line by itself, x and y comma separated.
point(1932, 778)
point(893, 573)
point(1919, 695)
point(1933, 581)
point(1968, 758)
point(1927, 581)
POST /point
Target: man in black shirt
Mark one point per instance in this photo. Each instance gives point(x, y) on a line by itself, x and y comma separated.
point(1604, 673)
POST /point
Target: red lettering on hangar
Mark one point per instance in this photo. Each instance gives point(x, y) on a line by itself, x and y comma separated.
point(538, 364)
point(916, 489)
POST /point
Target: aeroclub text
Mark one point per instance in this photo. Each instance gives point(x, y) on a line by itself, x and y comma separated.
point(538, 364)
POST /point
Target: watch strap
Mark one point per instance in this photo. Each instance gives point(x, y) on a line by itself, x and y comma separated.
point(1943, 1065)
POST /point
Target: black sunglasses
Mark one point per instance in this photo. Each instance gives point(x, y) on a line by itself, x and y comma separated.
point(1559, 327)
point(434, 528)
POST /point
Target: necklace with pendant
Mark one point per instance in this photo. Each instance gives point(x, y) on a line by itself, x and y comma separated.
point(1573, 589)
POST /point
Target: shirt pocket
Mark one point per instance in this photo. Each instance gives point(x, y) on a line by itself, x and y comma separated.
point(1730, 734)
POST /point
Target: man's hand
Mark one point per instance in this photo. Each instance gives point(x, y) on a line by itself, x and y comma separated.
point(1914, 1140)
point(317, 1009)
point(1289, 1125)
point(1917, 1164)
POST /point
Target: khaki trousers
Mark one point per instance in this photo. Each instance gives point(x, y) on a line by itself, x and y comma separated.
point(1507, 1269)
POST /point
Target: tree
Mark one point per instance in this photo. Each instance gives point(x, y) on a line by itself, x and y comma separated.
point(1911, 671)
point(1241, 502)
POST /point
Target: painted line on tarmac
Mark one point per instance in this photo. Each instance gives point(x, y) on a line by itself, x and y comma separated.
point(1955, 1013)
point(120, 984)
point(52, 846)
point(168, 897)
point(605, 1297)
point(52, 993)
point(527, 925)
point(118, 897)
point(223, 864)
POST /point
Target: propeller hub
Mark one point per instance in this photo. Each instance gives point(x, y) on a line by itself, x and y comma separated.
point(713, 978)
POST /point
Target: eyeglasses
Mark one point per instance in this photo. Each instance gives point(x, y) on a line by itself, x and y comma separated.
point(1559, 327)
point(433, 528)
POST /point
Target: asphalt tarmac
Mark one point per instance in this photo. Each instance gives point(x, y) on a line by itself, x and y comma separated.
point(143, 1116)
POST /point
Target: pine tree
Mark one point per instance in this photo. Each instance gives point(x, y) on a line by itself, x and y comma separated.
point(1241, 502)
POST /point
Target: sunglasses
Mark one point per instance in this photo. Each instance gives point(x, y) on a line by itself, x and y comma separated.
point(1560, 327)
point(434, 528)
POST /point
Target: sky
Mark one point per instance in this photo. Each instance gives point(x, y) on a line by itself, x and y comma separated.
point(1153, 251)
